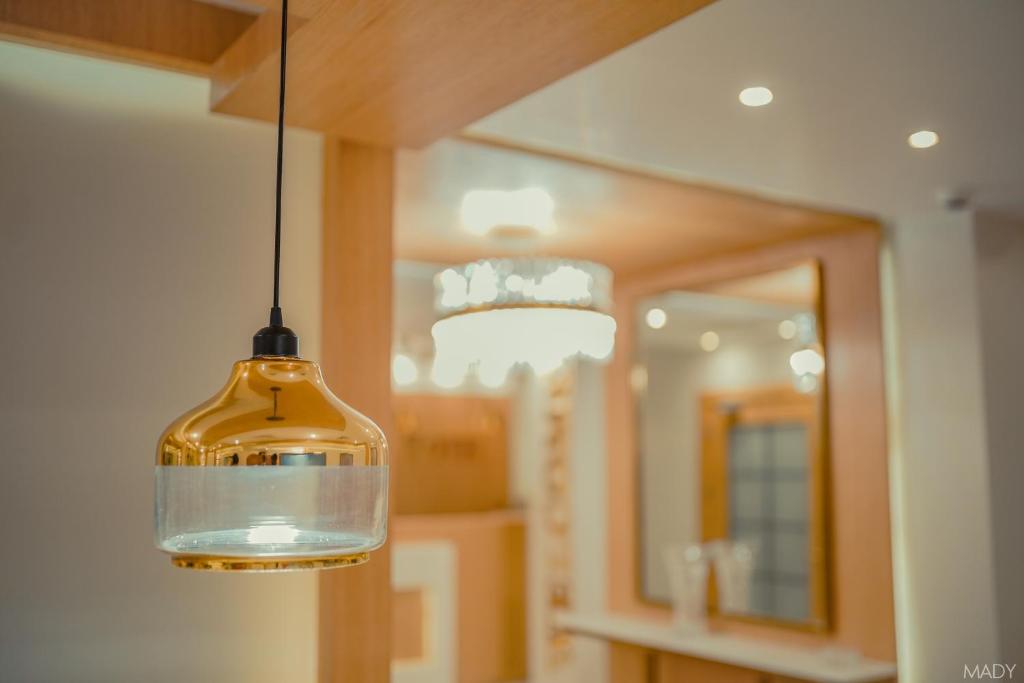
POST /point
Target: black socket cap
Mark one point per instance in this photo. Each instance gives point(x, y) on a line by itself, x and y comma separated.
point(275, 339)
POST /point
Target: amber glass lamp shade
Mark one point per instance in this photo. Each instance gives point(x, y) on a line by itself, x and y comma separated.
point(273, 473)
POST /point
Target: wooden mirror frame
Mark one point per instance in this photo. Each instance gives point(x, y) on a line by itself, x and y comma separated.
point(757, 403)
point(765, 405)
point(862, 586)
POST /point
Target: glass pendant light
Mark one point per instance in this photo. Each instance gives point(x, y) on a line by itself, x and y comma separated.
point(274, 472)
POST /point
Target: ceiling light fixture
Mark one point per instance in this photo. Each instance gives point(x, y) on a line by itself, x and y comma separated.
point(499, 313)
point(787, 329)
point(709, 341)
point(448, 372)
point(808, 361)
point(656, 318)
point(527, 210)
point(923, 139)
point(274, 472)
point(756, 96)
point(403, 370)
point(492, 375)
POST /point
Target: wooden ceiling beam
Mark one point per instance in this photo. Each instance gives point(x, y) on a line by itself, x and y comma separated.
point(296, 8)
point(255, 48)
point(403, 73)
point(181, 35)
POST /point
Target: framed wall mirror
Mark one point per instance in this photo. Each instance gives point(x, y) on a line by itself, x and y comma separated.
point(728, 386)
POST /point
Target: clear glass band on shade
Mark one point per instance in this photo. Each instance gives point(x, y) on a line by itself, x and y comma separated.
point(538, 311)
point(273, 473)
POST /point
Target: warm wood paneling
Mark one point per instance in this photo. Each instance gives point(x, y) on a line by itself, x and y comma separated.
point(407, 627)
point(262, 40)
point(492, 588)
point(453, 454)
point(355, 603)
point(407, 72)
point(630, 664)
point(860, 531)
point(678, 669)
point(296, 8)
point(183, 35)
point(389, 72)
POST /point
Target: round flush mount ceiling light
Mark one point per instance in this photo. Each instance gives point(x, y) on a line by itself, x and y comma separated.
point(498, 313)
point(530, 210)
point(656, 318)
point(756, 96)
point(923, 139)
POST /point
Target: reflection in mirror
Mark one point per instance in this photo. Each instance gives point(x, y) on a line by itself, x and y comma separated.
point(728, 387)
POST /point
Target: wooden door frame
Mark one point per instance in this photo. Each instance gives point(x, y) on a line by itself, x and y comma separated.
point(767, 405)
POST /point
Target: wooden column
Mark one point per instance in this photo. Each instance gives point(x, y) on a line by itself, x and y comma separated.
point(355, 603)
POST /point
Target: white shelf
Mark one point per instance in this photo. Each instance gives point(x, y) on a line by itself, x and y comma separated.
point(786, 660)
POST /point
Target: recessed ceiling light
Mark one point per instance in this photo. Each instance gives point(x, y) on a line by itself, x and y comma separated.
point(656, 318)
point(709, 341)
point(787, 329)
point(923, 139)
point(757, 96)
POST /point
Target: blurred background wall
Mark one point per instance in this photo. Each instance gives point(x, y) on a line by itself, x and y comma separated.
point(134, 268)
point(952, 290)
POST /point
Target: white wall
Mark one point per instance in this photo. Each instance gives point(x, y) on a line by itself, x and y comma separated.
point(134, 268)
point(999, 249)
point(954, 334)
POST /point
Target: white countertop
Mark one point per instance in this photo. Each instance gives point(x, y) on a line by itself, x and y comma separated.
point(810, 664)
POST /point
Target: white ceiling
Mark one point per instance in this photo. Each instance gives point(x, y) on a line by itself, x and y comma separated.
point(627, 221)
point(852, 79)
point(689, 314)
point(746, 309)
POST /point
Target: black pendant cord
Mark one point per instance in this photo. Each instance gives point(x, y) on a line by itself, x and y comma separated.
point(276, 339)
point(275, 313)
